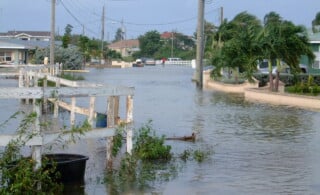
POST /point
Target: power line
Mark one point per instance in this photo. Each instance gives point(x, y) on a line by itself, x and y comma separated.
point(76, 19)
point(78, 8)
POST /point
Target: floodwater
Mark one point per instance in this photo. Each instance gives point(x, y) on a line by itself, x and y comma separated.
point(256, 148)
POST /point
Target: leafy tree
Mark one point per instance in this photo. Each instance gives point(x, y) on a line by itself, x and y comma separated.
point(149, 43)
point(70, 57)
point(316, 23)
point(179, 45)
point(66, 39)
point(210, 42)
point(119, 35)
point(269, 40)
point(83, 47)
point(112, 54)
point(240, 50)
point(283, 41)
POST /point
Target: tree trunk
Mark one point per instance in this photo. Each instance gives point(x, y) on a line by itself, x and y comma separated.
point(276, 87)
point(270, 75)
point(270, 81)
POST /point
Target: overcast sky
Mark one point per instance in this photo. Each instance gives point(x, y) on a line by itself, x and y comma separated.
point(140, 16)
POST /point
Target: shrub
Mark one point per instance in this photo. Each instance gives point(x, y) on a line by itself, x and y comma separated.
point(18, 174)
point(150, 147)
point(307, 88)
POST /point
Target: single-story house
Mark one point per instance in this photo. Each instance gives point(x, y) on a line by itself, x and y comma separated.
point(15, 51)
point(125, 47)
point(15, 45)
point(27, 35)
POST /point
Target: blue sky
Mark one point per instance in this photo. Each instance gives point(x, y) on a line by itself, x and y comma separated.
point(140, 16)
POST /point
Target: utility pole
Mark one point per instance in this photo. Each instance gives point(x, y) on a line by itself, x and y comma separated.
point(221, 15)
point(172, 44)
point(102, 35)
point(52, 33)
point(200, 26)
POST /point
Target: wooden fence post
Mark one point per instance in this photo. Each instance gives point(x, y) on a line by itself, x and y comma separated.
point(116, 109)
point(45, 101)
point(72, 112)
point(129, 123)
point(36, 150)
point(110, 123)
point(91, 110)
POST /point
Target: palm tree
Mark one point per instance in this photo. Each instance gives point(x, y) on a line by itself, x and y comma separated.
point(281, 40)
point(240, 50)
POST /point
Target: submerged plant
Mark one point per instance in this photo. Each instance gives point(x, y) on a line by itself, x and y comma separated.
point(148, 146)
point(18, 174)
point(151, 161)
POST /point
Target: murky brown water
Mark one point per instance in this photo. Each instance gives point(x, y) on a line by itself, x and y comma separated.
point(258, 148)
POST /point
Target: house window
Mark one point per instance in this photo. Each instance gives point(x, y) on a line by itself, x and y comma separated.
point(316, 65)
point(5, 57)
point(315, 47)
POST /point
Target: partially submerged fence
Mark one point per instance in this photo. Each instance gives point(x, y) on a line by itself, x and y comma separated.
point(29, 91)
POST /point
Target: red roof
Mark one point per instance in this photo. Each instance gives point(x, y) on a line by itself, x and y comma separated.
point(166, 35)
point(133, 43)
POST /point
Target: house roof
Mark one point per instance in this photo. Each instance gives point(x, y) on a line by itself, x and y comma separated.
point(132, 43)
point(22, 44)
point(166, 35)
point(30, 33)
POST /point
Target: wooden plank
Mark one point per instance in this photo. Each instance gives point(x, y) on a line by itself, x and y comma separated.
point(39, 92)
point(66, 106)
point(92, 134)
point(84, 71)
point(89, 91)
point(9, 74)
point(49, 138)
point(5, 139)
point(21, 93)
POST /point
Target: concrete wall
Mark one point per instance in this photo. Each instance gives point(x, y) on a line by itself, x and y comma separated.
point(253, 93)
point(121, 64)
point(261, 95)
point(229, 88)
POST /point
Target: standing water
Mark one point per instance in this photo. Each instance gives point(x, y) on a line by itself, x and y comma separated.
point(256, 148)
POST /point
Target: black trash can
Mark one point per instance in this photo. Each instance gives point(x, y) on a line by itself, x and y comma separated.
point(70, 166)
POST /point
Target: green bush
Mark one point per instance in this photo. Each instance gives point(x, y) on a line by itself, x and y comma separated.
point(17, 173)
point(306, 88)
point(150, 147)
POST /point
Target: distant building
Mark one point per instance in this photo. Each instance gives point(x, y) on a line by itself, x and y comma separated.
point(314, 40)
point(15, 51)
point(125, 47)
point(166, 35)
point(15, 46)
point(27, 35)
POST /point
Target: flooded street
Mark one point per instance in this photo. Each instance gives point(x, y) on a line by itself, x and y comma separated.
point(256, 148)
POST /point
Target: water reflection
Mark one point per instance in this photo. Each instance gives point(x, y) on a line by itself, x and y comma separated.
point(258, 148)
